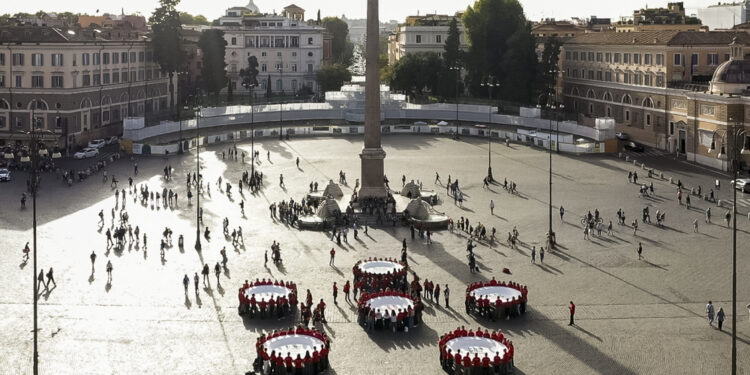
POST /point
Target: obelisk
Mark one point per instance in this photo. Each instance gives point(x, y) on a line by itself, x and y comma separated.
point(372, 154)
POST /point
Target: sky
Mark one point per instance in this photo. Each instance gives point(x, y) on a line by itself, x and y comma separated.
point(389, 9)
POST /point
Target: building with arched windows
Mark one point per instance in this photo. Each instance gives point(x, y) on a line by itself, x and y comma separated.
point(78, 83)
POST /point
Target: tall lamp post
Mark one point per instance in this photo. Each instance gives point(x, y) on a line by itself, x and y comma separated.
point(280, 69)
point(35, 135)
point(197, 109)
point(457, 68)
point(734, 145)
point(489, 84)
point(250, 87)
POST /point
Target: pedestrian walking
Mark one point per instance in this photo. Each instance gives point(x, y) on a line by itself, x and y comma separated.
point(109, 272)
point(436, 294)
point(708, 215)
point(562, 213)
point(572, 309)
point(93, 259)
point(186, 282)
point(335, 293)
point(217, 271)
point(50, 278)
point(720, 317)
point(347, 288)
point(40, 279)
point(333, 256)
point(447, 294)
point(205, 273)
point(533, 254)
point(640, 251)
point(710, 310)
point(609, 228)
point(196, 280)
point(265, 260)
point(492, 207)
point(541, 254)
point(695, 225)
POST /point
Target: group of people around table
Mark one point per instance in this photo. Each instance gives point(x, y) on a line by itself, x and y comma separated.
point(267, 307)
point(313, 362)
point(460, 362)
point(373, 282)
point(485, 307)
point(401, 319)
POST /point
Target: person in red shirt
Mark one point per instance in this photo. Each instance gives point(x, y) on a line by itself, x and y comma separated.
point(572, 308)
point(288, 362)
point(316, 360)
point(322, 307)
point(298, 363)
point(279, 363)
point(467, 362)
point(346, 291)
point(476, 362)
point(335, 293)
point(486, 363)
point(497, 362)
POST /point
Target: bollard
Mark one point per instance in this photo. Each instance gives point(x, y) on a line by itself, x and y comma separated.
point(661, 175)
point(670, 180)
point(619, 155)
point(635, 162)
point(627, 158)
point(643, 166)
point(718, 203)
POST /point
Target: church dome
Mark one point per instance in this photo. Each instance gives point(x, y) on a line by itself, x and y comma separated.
point(733, 72)
point(252, 7)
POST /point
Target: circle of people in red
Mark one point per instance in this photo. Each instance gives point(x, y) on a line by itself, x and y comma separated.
point(494, 310)
point(278, 363)
point(464, 363)
point(373, 282)
point(398, 320)
point(279, 306)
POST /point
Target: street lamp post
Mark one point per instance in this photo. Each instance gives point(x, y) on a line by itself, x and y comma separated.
point(281, 105)
point(489, 84)
point(457, 68)
point(735, 140)
point(250, 88)
point(198, 176)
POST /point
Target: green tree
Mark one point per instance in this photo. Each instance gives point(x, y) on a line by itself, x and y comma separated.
point(166, 41)
point(188, 19)
point(452, 55)
point(213, 73)
point(520, 62)
point(201, 20)
point(415, 73)
point(332, 76)
point(250, 75)
point(547, 72)
point(489, 26)
point(341, 47)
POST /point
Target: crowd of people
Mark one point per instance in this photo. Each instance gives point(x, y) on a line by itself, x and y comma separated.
point(459, 362)
point(373, 282)
point(279, 306)
point(482, 305)
point(314, 361)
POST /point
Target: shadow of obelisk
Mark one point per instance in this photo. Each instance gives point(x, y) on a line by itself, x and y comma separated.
point(372, 154)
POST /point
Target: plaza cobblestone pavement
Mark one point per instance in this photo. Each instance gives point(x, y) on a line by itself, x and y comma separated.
point(633, 317)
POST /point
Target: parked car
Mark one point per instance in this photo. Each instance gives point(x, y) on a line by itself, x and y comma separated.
point(88, 152)
point(4, 174)
point(632, 146)
point(112, 140)
point(97, 143)
point(622, 136)
point(743, 184)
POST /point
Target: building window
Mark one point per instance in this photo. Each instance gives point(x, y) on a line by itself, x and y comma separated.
point(115, 58)
point(141, 56)
point(567, 55)
point(85, 59)
point(599, 57)
point(627, 115)
point(660, 80)
point(591, 108)
point(263, 67)
point(132, 76)
point(115, 77)
point(608, 76)
point(712, 59)
point(608, 57)
point(599, 75)
point(648, 80)
point(2, 81)
point(124, 76)
point(591, 74)
point(234, 68)
point(86, 80)
point(648, 59)
point(294, 67)
point(18, 59)
point(97, 59)
point(279, 85)
point(438, 39)
point(105, 78)
point(37, 59)
point(57, 59)
point(294, 85)
point(310, 41)
point(591, 56)
point(234, 41)
point(671, 128)
point(677, 59)
point(2, 59)
point(97, 79)
point(626, 58)
point(609, 112)
point(57, 82)
point(278, 54)
point(141, 75)
point(105, 58)
point(626, 78)
point(575, 55)
point(19, 81)
point(37, 81)
point(637, 58)
point(309, 68)
point(419, 39)
point(124, 57)
point(694, 59)
point(659, 59)
point(617, 58)
point(294, 41)
point(263, 54)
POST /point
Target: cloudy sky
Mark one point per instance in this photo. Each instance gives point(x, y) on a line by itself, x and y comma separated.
point(389, 9)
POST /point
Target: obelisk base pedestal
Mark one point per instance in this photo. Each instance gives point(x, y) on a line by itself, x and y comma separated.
point(373, 185)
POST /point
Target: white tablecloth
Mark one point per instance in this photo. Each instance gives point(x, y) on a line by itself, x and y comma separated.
point(293, 344)
point(391, 303)
point(266, 292)
point(505, 293)
point(473, 345)
point(380, 267)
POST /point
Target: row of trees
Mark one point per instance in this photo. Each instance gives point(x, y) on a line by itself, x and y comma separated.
point(501, 51)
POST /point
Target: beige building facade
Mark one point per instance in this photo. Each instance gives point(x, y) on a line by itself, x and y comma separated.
point(423, 34)
point(79, 84)
point(656, 87)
